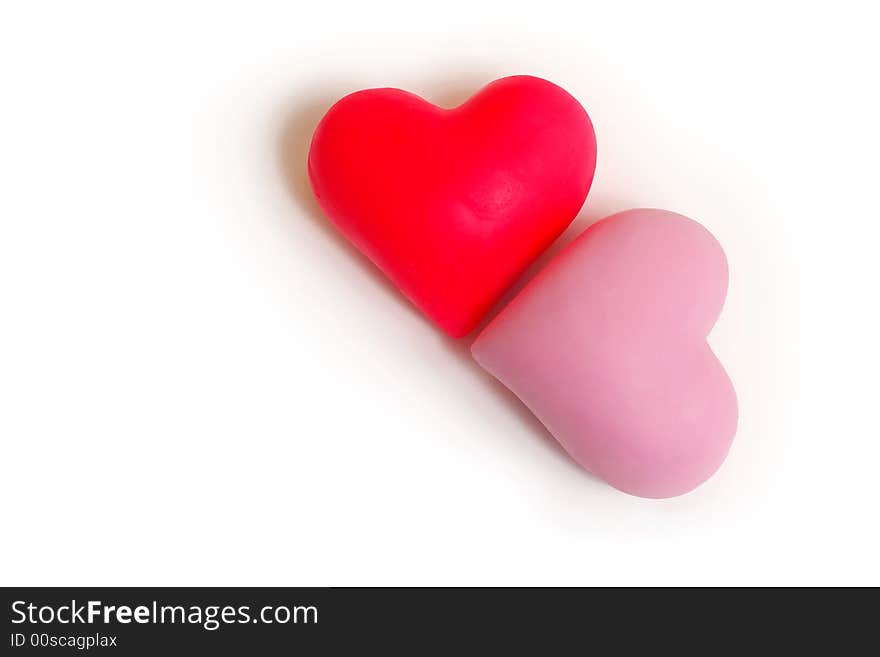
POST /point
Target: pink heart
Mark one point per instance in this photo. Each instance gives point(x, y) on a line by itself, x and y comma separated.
point(607, 346)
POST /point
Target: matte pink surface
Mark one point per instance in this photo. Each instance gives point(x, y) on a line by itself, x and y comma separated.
point(607, 346)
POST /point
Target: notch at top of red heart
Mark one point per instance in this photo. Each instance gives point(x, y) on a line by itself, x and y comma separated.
point(454, 204)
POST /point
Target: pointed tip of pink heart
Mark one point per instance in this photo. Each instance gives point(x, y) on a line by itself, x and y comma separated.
point(607, 346)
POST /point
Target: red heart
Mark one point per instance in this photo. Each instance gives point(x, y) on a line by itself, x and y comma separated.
point(453, 205)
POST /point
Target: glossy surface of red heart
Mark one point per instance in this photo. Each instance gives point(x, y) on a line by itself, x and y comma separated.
point(454, 204)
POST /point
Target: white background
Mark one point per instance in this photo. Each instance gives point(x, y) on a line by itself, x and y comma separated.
point(201, 383)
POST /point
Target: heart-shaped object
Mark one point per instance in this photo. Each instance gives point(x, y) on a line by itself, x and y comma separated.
point(607, 347)
point(454, 204)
